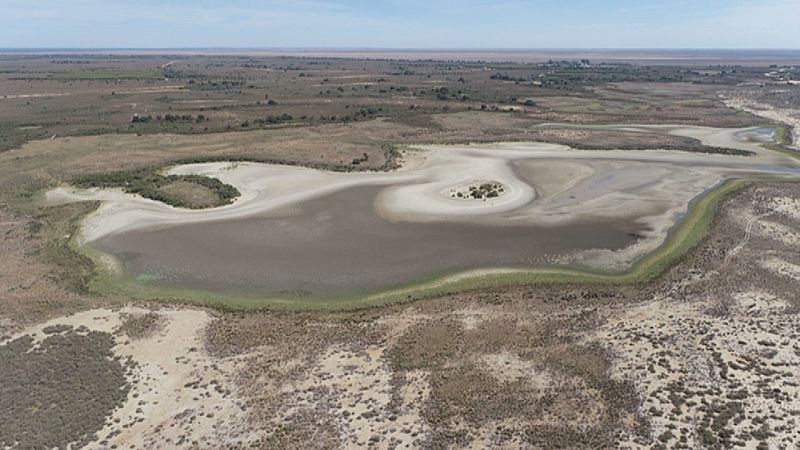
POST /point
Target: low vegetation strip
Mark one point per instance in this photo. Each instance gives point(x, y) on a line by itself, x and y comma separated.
point(617, 137)
point(390, 151)
point(74, 268)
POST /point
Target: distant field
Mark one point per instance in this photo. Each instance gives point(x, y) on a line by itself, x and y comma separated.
point(108, 75)
point(78, 94)
point(686, 57)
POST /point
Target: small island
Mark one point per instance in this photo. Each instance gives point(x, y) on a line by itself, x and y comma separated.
point(479, 191)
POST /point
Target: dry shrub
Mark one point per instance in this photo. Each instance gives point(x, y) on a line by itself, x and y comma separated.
point(59, 392)
point(140, 326)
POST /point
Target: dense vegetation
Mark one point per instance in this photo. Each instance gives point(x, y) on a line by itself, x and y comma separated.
point(149, 183)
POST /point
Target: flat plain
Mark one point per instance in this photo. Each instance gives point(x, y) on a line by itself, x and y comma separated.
point(611, 251)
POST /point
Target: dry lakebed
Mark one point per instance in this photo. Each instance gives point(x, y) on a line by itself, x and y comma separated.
point(298, 232)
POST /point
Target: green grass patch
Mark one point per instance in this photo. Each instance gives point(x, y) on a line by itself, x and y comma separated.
point(783, 134)
point(13, 135)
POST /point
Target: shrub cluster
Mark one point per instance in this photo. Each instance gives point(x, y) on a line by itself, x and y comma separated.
point(59, 392)
point(139, 326)
point(147, 182)
point(271, 120)
point(169, 118)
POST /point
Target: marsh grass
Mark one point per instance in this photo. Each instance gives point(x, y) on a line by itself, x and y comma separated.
point(58, 227)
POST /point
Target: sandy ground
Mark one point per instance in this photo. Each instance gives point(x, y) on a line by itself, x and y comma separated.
point(729, 350)
point(684, 359)
point(361, 383)
point(179, 397)
point(545, 184)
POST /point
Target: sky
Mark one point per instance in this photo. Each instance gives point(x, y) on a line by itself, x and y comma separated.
point(410, 24)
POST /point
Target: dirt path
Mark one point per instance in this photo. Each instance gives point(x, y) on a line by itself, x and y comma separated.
point(747, 233)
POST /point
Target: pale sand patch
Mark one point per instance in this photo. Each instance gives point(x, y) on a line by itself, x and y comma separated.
point(16, 96)
point(473, 317)
point(508, 368)
point(777, 231)
point(395, 325)
point(782, 268)
point(718, 137)
point(757, 302)
point(558, 176)
point(179, 393)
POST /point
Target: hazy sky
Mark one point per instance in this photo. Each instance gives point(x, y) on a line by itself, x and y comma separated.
point(401, 24)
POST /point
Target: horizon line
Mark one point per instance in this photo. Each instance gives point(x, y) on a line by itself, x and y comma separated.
point(422, 49)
